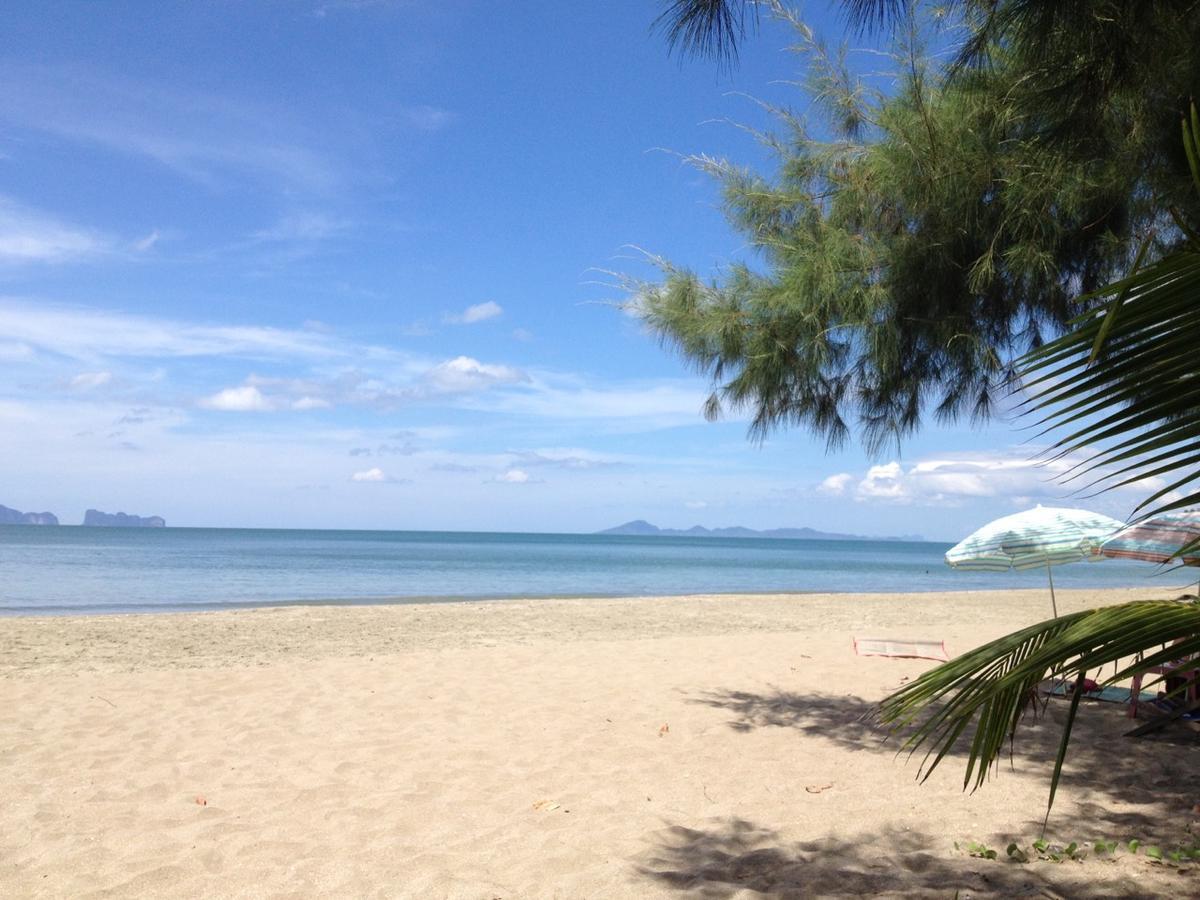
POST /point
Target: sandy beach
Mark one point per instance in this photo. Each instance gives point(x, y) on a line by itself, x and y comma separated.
point(642, 747)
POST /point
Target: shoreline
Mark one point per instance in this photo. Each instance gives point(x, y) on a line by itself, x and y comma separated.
point(450, 599)
point(640, 747)
point(265, 635)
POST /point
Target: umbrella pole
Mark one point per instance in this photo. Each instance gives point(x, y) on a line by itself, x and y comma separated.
point(1053, 605)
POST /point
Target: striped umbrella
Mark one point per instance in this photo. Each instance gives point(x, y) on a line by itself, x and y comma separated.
point(1043, 536)
point(1157, 539)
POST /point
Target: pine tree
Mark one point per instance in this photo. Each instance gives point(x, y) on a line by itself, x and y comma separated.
point(922, 237)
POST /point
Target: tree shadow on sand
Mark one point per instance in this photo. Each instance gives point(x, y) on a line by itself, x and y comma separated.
point(1160, 775)
point(736, 857)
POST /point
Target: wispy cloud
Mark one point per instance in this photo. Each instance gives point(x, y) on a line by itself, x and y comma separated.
point(84, 334)
point(15, 352)
point(144, 244)
point(202, 136)
point(406, 449)
point(429, 118)
point(310, 369)
point(86, 381)
point(480, 312)
point(28, 236)
point(306, 403)
point(453, 467)
point(324, 8)
point(566, 458)
point(355, 387)
point(663, 404)
point(302, 226)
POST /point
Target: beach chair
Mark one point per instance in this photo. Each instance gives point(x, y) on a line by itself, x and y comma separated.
point(901, 648)
point(1175, 674)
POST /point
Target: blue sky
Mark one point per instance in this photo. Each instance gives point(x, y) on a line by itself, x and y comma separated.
point(342, 263)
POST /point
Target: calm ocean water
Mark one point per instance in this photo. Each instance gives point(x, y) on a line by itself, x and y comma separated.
point(76, 569)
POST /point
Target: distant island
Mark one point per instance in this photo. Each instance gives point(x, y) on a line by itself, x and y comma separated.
point(92, 517)
point(16, 517)
point(95, 517)
point(642, 527)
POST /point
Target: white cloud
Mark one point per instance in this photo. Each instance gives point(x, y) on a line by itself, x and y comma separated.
point(310, 403)
point(884, 482)
point(89, 334)
point(480, 312)
point(835, 485)
point(696, 504)
point(246, 398)
point(463, 374)
point(86, 381)
point(302, 226)
point(144, 244)
point(375, 474)
point(515, 476)
point(314, 368)
point(352, 387)
point(956, 480)
point(29, 236)
point(523, 335)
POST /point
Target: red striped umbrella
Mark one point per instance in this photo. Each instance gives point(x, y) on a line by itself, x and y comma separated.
point(1158, 539)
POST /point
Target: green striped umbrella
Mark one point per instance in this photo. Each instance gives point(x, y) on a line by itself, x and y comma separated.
point(1043, 536)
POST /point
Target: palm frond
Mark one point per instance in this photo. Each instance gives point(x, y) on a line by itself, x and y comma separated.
point(1121, 386)
point(992, 687)
point(1134, 410)
point(1123, 383)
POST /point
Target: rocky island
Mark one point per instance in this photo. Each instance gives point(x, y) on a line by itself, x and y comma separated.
point(16, 517)
point(95, 517)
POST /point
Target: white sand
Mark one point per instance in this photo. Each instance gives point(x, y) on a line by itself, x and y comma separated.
point(650, 747)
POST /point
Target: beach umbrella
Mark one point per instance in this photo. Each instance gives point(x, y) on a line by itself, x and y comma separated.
point(1043, 536)
point(1158, 539)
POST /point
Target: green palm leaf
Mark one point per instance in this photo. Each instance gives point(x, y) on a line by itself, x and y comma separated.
point(1123, 382)
point(1122, 386)
point(1134, 408)
point(992, 687)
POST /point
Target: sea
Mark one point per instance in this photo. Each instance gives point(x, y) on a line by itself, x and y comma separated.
point(76, 569)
